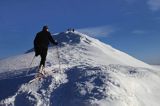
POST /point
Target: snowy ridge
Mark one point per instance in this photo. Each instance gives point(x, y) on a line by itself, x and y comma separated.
point(91, 74)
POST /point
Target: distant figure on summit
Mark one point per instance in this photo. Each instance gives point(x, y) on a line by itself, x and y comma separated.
point(41, 43)
point(70, 29)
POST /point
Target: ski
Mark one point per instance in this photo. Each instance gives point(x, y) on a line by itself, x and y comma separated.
point(41, 74)
point(38, 77)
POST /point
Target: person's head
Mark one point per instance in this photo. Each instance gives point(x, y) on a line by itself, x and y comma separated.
point(45, 28)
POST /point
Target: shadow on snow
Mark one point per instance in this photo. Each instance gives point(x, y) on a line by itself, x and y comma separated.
point(85, 83)
point(11, 81)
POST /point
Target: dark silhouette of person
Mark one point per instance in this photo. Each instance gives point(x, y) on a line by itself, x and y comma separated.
point(70, 29)
point(41, 42)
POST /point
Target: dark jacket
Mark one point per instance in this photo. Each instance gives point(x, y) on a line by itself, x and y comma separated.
point(42, 40)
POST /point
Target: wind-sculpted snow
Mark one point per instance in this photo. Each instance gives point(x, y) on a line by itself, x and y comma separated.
point(83, 85)
point(90, 73)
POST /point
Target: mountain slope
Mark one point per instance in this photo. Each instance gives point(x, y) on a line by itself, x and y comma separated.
point(91, 73)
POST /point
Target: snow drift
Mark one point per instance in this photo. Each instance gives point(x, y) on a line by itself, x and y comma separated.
point(91, 73)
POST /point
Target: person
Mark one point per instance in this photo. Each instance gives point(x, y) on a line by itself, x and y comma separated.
point(41, 42)
point(73, 30)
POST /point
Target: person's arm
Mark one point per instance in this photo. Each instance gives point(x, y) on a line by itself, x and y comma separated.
point(52, 40)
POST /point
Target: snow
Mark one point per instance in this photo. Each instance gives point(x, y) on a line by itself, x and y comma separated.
point(90, 73)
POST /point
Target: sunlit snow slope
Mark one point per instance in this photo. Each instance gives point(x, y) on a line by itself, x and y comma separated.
point(90, 73)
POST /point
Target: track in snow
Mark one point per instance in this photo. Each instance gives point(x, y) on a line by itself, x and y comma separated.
point(77, 85)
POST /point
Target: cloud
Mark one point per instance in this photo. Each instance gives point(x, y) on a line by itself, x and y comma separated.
point(101, 31)
point(138, 32)
point(154, 5)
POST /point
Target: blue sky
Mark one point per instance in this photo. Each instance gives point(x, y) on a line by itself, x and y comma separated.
point(132, 26)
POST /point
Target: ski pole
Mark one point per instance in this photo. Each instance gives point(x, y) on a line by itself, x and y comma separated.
point(30, 65)
point(58, 58)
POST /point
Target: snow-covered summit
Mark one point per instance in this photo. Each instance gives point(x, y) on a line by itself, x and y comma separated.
point(105, 53)
point(90, 73)
point(69, 37)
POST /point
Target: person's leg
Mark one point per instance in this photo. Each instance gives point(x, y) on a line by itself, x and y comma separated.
point(43, 57)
